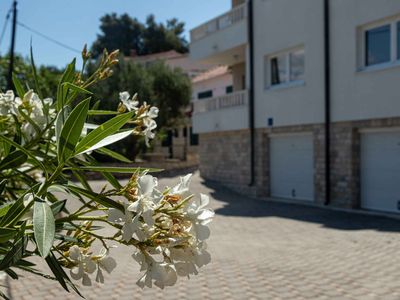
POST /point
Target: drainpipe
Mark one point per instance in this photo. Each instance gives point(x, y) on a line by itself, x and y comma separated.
point(327, 103)
point(251, 90)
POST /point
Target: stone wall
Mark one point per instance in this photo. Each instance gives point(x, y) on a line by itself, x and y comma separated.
point(225, 157)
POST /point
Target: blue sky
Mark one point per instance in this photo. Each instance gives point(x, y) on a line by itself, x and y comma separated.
point(76, 22)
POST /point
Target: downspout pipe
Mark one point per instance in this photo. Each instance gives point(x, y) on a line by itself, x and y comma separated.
point(251, 90)
point(327, 69)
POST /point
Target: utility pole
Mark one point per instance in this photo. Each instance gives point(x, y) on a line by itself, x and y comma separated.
point(11, 65)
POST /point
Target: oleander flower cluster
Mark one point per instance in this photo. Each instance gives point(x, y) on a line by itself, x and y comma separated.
point(49, 208)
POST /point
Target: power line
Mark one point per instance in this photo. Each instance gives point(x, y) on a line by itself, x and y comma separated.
point(48, 38)
point(5, 26)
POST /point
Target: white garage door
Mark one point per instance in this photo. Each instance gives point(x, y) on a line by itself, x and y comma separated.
point(380, 171)
point(292, 167)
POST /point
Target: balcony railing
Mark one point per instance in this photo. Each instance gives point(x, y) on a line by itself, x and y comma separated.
point(233, 16)
point(230, 100)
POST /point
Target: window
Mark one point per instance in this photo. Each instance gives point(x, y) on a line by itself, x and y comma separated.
point(194, 138)
point(377, 45)
point(286, 67)
point(229, 89)
point(205, 94)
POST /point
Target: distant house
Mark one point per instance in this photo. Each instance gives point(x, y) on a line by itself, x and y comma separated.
point(314, 115)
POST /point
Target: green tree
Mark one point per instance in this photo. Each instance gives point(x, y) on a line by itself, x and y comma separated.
point(126, 33)
point(48, 76)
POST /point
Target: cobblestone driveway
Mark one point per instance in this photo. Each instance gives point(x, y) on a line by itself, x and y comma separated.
point(266, 250)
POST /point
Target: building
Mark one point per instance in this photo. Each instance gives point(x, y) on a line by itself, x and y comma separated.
point(314, 115)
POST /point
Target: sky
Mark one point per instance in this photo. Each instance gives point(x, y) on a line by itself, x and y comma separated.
point(76, 22)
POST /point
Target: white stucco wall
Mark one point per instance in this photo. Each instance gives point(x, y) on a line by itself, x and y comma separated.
point(358, 95)
point(281, 25)
point(216, 84)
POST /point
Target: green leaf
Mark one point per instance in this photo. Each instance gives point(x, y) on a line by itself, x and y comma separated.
point(113, 154)
point(93, 112)
point(27, 118)
point(15, 253)
point(109, 140)
point(71, 131)
point(58, 206)
point(35, 76)
point(117, 169)
point(6, 234)
point(5, 208)
point(101, 199)
point(112, 180)
point(57, 270)
point(61, 117)
point(75, 88)
point(68, 76)
point(14, 159)
point(43, 226)
point(2, 185)
point(104, 130)
point(17, 210)
point(19, 147)
point(18, 86)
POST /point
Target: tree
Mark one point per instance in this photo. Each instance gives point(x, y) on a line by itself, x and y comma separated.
point(48, 76)
point(126, 33)
point(171, 92)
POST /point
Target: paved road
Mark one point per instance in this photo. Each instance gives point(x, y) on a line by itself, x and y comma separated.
point(266, 250)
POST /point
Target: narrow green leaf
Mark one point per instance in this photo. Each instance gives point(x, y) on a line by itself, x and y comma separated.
point(17, 210)
point(113, 154)
point(73, 87)
point(43, 226)
point(29, 119)
point(11, 273)
point(15, 253)
point(117, 169)
point(93, 112)
point(6, 234)
point(58, 206)
point(104, 130)
point(57, 270)
point(35, 76)
point(18, 86)
point(71, 130)
point(61, 117)
point(14, 159)
point(2, 185)
point(112, 180)
point(109, 140)
point(101, 199)
point(19, 147)
point(68, 76)
point(4, 208)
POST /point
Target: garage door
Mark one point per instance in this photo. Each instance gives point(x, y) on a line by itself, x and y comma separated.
point(292, 167)
point(380, 171)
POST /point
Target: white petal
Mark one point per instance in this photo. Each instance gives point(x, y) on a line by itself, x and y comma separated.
point(99, 276)
point(205, 215)
point(124, 96)
point(108, 264)
point(86, 280)
point(74, 253)
point(146, 184)
point(127, 231)
point(77, 272)
point(203, 232)
point(204, 200)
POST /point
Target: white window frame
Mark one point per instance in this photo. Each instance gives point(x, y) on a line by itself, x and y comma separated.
point(394, 60)
point(288, 83)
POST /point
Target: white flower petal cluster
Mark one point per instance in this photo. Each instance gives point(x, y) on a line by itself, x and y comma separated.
point(169, 229)
point(130, 104)
point(149, 123)
point(27, 110)
point(86, 263)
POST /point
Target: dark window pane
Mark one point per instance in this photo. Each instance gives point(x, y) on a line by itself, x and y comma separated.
point(297, 65)
point(194, 138)
point(229, 89)
point(184, 131)
point(377, 45)
point(398, 40)
point(206, 94)
point(278, 70)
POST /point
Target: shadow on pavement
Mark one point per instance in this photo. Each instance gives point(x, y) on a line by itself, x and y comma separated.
point(239, 205)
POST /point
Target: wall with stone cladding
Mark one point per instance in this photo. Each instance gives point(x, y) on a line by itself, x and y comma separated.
point(225, 157)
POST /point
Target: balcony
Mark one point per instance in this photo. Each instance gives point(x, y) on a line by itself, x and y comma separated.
point(227, 112)
point(221, 40)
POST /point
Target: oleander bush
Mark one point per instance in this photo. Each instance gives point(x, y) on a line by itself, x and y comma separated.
point(49, 209)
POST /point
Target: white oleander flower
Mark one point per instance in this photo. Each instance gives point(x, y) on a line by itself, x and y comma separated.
point(149, 123)
point(84, 265)
point(125, 218)
point(162, 273)
point(104, 262)
point(130, 104)
point(148, 198)
point(200, 216)
point(6, 103)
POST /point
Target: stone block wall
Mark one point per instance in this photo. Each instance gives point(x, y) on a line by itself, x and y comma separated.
point(225, 157)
